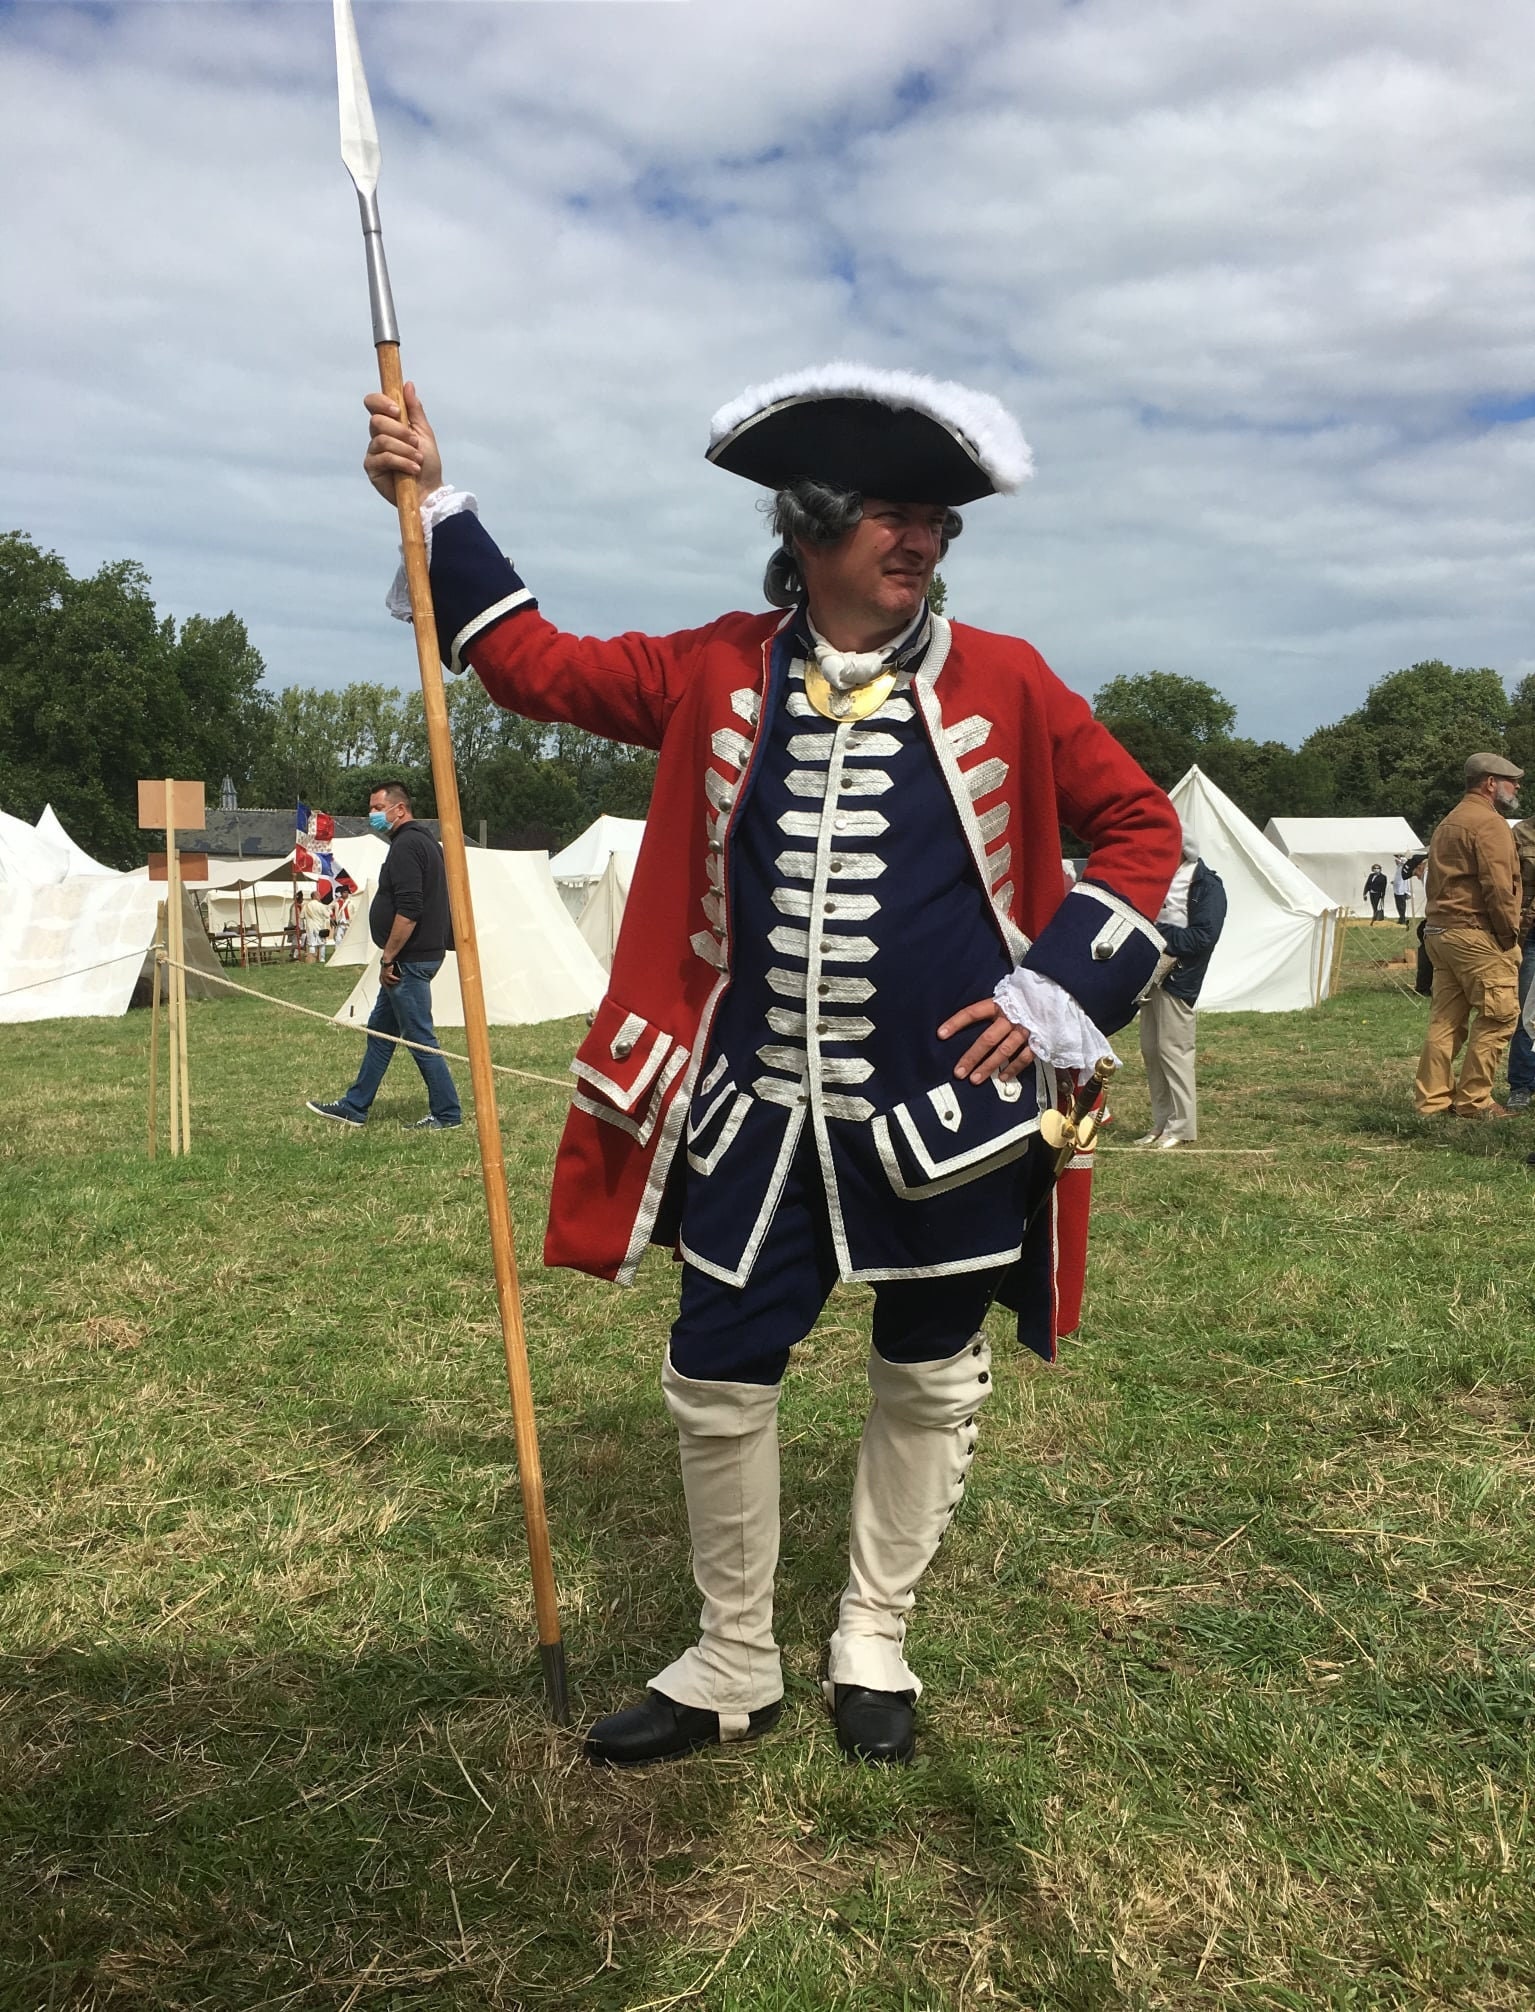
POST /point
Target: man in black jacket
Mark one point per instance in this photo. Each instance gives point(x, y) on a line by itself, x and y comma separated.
point(1191, 922)
point(410, 924)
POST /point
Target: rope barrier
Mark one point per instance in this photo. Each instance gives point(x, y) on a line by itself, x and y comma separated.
point(373, 1033)
point(63, 977)
point(1185, 1152)
point(1384, 965)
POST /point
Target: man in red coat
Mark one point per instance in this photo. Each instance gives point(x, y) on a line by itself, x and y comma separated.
point(846, 988)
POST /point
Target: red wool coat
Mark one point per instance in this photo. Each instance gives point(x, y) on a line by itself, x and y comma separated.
point(696, 698)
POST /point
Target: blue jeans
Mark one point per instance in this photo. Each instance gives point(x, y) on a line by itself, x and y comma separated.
point(406, 1009)
point(1521, 1051)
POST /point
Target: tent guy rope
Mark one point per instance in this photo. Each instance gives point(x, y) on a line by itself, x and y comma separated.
point(372, 1033)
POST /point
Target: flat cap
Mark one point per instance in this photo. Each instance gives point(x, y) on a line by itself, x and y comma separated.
point(1480, 765)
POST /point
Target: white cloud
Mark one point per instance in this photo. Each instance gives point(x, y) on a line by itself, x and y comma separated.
point(1253, 281)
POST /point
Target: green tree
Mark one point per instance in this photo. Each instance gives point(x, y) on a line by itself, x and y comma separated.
point(98, 691)
point(1404, 749)
point(1519, 735)
point(1166, 721)
point(526, 803)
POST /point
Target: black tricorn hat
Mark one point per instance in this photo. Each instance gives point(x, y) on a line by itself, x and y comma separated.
point(888, 433)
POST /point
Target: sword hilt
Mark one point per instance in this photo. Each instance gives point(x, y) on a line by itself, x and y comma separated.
point(1074, 1131)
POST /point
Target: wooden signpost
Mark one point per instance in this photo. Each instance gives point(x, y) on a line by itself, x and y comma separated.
point(172, 806)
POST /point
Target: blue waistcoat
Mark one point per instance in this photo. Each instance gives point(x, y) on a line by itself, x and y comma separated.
point(858, 924)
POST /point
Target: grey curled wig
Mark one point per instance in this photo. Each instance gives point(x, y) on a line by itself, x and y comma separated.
point(814, 513)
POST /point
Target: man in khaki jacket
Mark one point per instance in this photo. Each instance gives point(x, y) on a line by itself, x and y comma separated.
point(1521, 1055)
point(1472, 935)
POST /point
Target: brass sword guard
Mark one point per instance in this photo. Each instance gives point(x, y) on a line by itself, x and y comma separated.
point(1068, 1133)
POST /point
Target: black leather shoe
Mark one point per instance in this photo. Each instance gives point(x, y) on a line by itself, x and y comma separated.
point(875, 1726)
point(658, 1728)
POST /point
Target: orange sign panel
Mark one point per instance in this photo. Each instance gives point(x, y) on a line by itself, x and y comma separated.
point(192, 866)
point(186, 806)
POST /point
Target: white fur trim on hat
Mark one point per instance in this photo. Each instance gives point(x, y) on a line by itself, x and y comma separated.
point(989, 427)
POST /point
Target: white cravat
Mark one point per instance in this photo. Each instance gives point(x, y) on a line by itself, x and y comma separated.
point(848, 670)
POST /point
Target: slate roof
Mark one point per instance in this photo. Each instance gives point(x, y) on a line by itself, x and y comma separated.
point(264, 834)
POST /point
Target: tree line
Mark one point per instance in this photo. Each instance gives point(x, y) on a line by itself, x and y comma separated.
point(1402, 752)
point(98, 689)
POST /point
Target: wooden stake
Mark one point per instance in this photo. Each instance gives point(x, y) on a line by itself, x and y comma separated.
point(477, 1037)
point(158, 979)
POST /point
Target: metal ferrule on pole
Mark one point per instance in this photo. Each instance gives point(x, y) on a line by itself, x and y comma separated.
point(380, 299)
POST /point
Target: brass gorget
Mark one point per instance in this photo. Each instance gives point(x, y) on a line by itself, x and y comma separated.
point(840, 706)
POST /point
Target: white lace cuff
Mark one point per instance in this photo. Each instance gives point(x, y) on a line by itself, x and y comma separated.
point(444, 502)
point(1059, 1031)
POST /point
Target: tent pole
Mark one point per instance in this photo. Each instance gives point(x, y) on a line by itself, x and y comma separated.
point(156, 981)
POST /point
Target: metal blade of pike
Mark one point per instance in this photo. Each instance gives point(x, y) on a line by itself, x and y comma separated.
point(359, 132)
point(360, 151)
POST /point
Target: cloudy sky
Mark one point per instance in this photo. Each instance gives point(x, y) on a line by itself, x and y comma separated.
point(1257, 281)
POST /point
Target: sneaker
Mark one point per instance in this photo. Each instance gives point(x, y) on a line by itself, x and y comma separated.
point(1149, 1139)
point(1168, 1140)
point(339, 1112)
point(1518, 1100)
point(431, 1124)
point(1482, 1113)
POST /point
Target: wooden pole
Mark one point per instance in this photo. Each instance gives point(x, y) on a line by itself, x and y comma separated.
point(172, 997)
point(477, 1036)
point(154, 1027)
point(181, 1017)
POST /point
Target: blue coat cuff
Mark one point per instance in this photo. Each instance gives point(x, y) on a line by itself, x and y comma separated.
point(474, 585)
point(1101, 950)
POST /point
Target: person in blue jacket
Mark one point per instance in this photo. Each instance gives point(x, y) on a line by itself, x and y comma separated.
point(1191, 922)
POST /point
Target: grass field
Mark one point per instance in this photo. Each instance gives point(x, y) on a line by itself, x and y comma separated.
point(1230, 1653)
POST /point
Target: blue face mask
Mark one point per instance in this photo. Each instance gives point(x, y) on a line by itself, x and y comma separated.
point(379, 822)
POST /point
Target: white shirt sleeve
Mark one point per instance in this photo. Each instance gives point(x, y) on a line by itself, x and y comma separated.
point(1059, 1031)
point(444, 502)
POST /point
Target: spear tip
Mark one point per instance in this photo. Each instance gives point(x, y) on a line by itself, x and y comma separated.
point(359, 131)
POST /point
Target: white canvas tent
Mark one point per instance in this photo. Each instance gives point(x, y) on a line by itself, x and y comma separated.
point(1276, 951)
point(582, 864)
point(80, 862)
point(535, 965)
point(603, 915)
point(268, 907)
point(76, 937)
point(29, 858)
point(1337, 852)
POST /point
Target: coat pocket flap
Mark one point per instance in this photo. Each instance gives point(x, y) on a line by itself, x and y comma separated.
point(621, 1055)
point(961, 1129)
